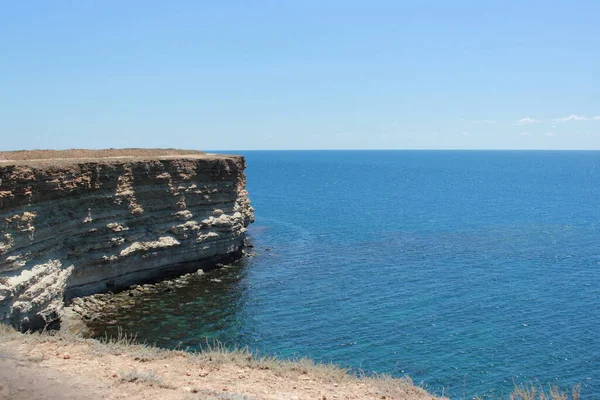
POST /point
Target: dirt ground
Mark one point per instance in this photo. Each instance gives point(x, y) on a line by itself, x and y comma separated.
point(52, 367)
point(23, 379)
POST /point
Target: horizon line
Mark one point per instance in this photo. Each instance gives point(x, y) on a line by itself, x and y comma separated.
point(400, 149)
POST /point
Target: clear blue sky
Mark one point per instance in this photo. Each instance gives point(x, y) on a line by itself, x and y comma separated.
point(273, 74)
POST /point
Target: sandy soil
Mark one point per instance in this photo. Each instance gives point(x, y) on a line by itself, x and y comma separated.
point(43, 367)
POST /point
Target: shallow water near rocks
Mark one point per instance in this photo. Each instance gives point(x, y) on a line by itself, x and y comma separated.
point(467, 270)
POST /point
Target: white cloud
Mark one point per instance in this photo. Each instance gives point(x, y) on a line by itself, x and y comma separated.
point(596, 118)
point(525, 134)
point(550, 134)
point(527, 121)
point(571, 117)
point(465, 133)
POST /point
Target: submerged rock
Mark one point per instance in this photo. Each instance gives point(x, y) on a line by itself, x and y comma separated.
point(101, 306)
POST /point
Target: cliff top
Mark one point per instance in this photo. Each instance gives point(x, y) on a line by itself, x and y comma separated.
point(60, 157)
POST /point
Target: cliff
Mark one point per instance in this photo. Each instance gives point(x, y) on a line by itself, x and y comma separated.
point(74, 223)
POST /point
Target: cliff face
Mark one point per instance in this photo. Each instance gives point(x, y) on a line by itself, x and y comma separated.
point(76, 227)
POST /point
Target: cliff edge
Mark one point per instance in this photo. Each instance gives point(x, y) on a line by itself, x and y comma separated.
point(78, 222)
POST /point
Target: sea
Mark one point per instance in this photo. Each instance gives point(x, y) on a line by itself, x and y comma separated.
point(469, 271)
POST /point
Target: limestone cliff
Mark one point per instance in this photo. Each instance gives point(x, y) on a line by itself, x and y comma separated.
point(75, 223)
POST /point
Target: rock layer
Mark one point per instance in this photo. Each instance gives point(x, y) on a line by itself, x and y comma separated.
point(103, 221)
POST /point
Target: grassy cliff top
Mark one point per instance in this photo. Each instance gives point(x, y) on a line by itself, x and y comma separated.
point(55, 157)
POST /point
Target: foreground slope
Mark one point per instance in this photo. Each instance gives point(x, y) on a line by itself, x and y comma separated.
point(62, 367)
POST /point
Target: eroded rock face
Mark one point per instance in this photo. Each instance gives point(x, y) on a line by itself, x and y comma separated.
point(71, 228)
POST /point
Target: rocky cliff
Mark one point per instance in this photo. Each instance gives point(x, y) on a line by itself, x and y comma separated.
point(74, 223)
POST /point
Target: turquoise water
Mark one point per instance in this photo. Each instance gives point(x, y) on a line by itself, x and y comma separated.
point(467, 270)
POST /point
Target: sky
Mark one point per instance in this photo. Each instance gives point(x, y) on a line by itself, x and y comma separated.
point(305, 74)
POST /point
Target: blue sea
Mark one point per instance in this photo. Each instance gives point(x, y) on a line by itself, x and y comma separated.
point(469, 271)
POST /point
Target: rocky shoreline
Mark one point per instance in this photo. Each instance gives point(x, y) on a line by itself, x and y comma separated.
point(80, 312)
point(94, 307)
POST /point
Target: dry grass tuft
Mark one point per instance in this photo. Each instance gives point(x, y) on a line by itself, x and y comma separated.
point(128, 344)
point(391, 387)
point(537, 392)
point(7, 331)
point(214, 355)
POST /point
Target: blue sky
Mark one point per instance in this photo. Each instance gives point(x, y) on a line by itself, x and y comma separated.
point(304, 74)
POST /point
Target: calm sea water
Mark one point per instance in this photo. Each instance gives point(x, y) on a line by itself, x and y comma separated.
point(467, 270)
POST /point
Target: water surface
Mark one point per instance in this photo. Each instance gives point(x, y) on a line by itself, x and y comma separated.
point(467, 270)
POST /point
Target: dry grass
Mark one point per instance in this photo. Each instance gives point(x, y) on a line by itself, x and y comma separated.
point(27, 155)
point(538, 392)
point(144, 368)
point(128, 345)
point(215, 372)
point(7, 332)
point(214, 355)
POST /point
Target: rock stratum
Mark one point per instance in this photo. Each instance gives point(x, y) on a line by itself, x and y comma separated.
point(79, 222)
